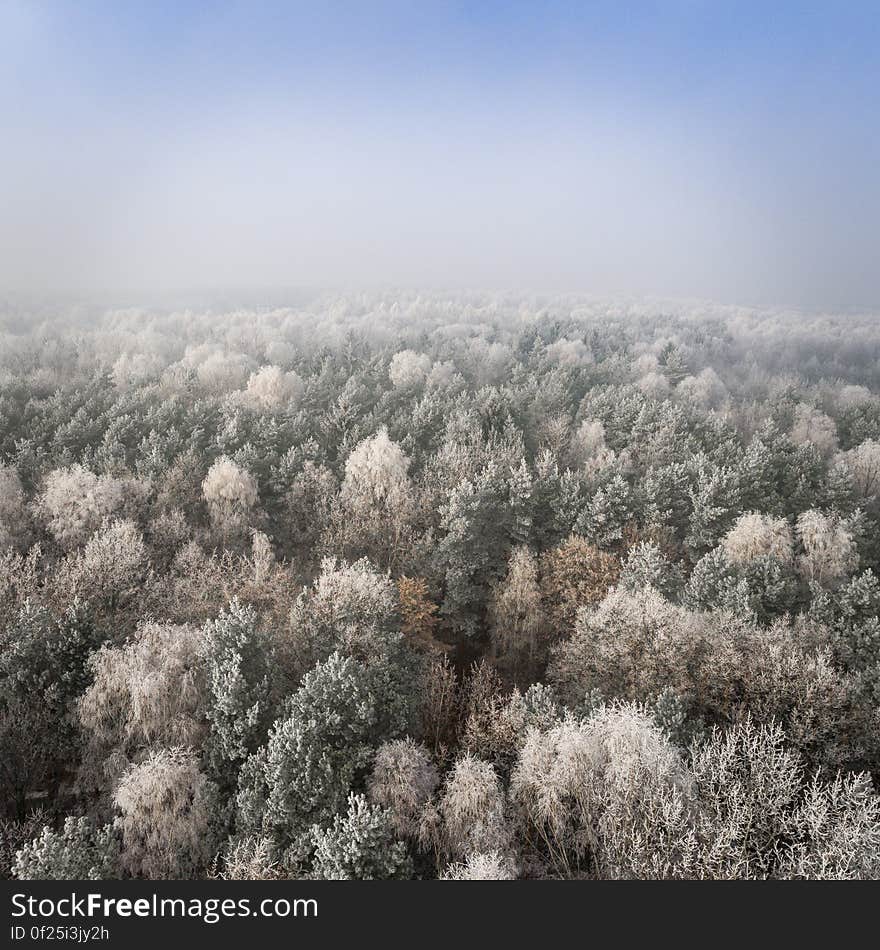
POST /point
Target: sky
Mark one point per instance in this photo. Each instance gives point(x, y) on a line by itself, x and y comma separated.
point(686, 148)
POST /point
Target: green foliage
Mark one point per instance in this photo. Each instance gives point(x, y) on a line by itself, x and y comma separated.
point(239, 659)
point(673, 714)
point(14, 835)
point(359, 846)
point(604, 517)
point(317, 750)
point(715, 584)
point(480, 521)
point(43, 669)
point(851, 615)
point(78, 852)
point(646, 566)
point(715, 505)
point(47, 657)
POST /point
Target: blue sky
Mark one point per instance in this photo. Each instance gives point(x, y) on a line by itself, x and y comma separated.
point(710, 149)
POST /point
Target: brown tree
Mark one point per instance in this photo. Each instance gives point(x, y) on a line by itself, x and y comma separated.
point(574, 574)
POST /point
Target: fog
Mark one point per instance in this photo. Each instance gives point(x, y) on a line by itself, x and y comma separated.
point(691, 150)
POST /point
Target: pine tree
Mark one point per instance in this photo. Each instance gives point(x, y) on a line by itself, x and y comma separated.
point(359, 846)
point(240, 710)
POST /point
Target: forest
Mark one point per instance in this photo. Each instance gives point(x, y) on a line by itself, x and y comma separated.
point(439, 586)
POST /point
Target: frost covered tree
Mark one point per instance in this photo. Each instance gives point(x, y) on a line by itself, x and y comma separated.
point(517, 618)
point(231, 495)
point(470, 813)
point(646, 565)
point(608, 797)
point(403, 781)
point(149, 691)
point(862, 464)
point(757, 535)
point(706, 389)
point(79, 851)
point(672, 362)
point(44, 667)
point(224, 372)
point(813, 427)
point(349, 607)
point(759, 816)
point(74, 502)
point(568, 352)
point(654, 386)
point(13, 514)
point(135, 369)
point(666, 499)
point(271, 388)
point(588, 446)
point(634, 646)
point(606, 514)
point(45, 658)
point(375, 500)
point(716, 584)
point(443, 375)
point(829, 549)
point(262, 558)
point(834, 831)
point(486, 362)
point(250, 858)
point(772, 587)
point(239, 662)
point(851, 616)
point(493, 866)
point(376, 473)
point(478, 522)
point(715, 500)
point(588, 792)
point(165, 806)
point(303, 775)
point(408, 369)
point(619, 647)
point(110, 569)
point(360, 845)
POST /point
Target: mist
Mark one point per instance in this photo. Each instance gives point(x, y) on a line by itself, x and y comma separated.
point(687, 149)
